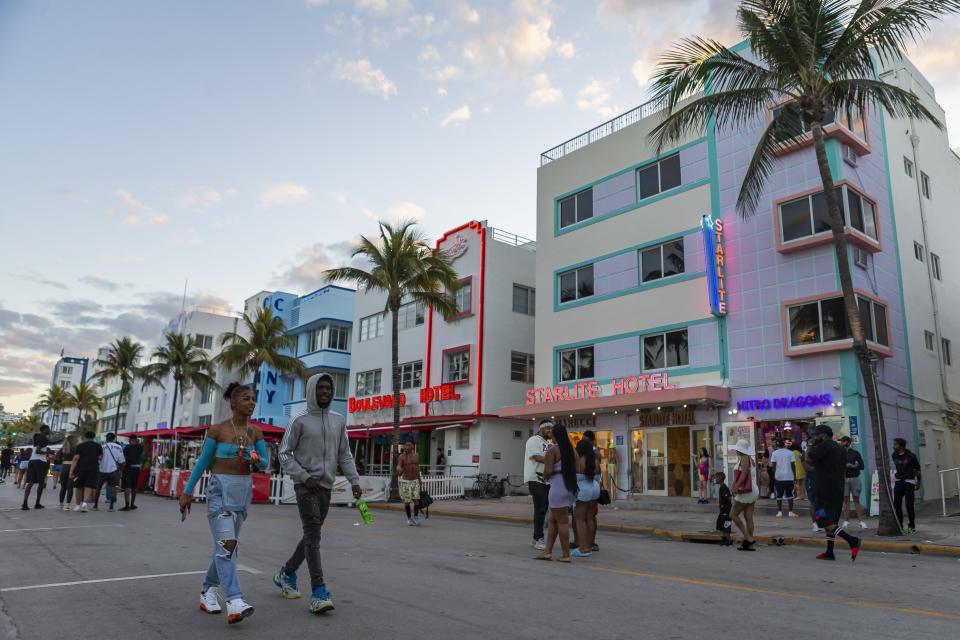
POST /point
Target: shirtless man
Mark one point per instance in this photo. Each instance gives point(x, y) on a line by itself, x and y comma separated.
point(408, 468)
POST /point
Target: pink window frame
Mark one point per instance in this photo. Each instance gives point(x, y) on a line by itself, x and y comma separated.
point(834, 345)
point(443, 364)
point(468, 312)
point(833, 130)
point(824, 237)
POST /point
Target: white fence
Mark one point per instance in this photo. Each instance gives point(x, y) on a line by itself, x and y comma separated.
point(439, 487)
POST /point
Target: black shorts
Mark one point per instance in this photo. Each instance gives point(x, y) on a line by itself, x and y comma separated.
point(86, 479)
point(130, 477)
point(724, 524)
point(109, 479)
point(37, 471)
point(784, 488)
point(828, 512)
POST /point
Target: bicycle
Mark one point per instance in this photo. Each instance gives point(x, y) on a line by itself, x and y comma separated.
point(485, 485)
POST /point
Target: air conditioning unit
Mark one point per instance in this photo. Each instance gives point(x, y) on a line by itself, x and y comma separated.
point(860, 257)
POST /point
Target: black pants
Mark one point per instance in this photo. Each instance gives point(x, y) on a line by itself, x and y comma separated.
point(66, 485)
point(313, 508)
point(903, 490)
point(539, 492)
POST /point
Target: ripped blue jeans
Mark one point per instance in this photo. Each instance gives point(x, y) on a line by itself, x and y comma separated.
point(227, 499)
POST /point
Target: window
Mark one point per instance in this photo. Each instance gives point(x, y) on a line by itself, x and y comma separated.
point(918, 251)
point(139, 406)
point(464, 297)
point(907, 166)
point(925, 185)
point(928, 340)
point(873, 318)
point(64, 384)
point(850, 155)
point(463, 438)
point(662, 350)
point(947, 357)
point(66, 371)
point(661, 261)
point(935, 265)
point(411, 315)
point(204, 421)
point(807, 215)
point(521, 367)
point(202, 341)
point(817, 322)
point(659, 176)
point(368, 382)
point(371, 327)
point(576, 364)
point(411, 375)
point(456, 366)
point(338, 337)
point(576, 284)
point(206, 394)
point(860, 257)
point(340, 389)
point(524, 299)
point(576, 208)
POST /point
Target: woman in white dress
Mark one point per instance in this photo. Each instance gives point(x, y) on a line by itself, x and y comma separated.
point(745, 493)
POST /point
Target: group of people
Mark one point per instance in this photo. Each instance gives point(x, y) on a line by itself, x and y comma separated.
point(563, 479)
point(82, 469)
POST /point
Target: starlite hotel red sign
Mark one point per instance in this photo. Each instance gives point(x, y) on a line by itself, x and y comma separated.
point(654, 381)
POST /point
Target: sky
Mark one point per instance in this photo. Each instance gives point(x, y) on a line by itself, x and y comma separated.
point(242, 145)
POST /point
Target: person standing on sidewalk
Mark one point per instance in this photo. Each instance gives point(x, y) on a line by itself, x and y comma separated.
point(907, 474)
point(66, 477)
point(408, 469)
point(560, 471)
point(829, 462)
point(783, 477)
point(745, 493)
point(111, 464)
point(313, 446)
point(132, 455)
point(85, 469)
point(441, 467)
point(6, 459)
point(534, 451)
point(37, 467)
point(852, 487)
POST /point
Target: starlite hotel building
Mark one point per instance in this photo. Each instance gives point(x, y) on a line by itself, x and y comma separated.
point(667, 323)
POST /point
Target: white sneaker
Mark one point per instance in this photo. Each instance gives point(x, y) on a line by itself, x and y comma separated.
point(779, 514)
point(209, 602)
point(410, 522)
point(863, 525)
point(416, 521)
point(540, 544)
point(237, 610)
point(846, 523)
point(792, 515)
point(77, 508)
point(816, 528)
point(66, 507)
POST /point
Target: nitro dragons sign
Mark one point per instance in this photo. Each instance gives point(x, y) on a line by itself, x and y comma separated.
point(788, 402)
point(714, 241)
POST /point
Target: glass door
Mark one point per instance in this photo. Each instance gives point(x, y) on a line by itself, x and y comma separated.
point(655, 461)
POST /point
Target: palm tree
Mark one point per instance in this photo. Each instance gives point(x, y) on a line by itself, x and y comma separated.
point(26, 424)
point(268, 339)
point(86, 400)
point(405, 268)
point(53, 399)
point(121, 362)
point(815, 57)
point(181, 358)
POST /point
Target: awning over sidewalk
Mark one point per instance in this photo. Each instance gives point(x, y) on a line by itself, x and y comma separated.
point(628, 401)
point(271, 433)
point(422, 423)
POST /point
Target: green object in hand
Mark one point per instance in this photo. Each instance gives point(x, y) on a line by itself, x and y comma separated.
point(364, 510)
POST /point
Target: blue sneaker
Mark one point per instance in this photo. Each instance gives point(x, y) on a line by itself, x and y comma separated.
point(576, 553)
point(320, 602)
point(287, 583)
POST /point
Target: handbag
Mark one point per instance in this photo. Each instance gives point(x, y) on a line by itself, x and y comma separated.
point(604, 498)
point(747, 486)
point(425, 502)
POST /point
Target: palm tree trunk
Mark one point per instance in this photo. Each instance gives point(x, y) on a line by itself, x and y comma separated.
point(256, 378)
point(173, 406)
point(888, 525)
point(116, 424)
point(395, 373)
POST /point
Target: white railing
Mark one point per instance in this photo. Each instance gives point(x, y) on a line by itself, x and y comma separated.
point(439, 487)
point(943, 492)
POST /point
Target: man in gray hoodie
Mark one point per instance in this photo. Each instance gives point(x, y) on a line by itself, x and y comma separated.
point(312, 447)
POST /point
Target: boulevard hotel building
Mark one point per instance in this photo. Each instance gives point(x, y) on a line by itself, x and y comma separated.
point(667, 323)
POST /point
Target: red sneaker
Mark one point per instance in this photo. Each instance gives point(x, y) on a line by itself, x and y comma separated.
point(825, 556)
point(854, 549)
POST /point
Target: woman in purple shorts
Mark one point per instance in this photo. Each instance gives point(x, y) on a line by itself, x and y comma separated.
point(560, 471)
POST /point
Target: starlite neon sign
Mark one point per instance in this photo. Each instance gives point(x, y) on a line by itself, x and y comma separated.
point(712, 230)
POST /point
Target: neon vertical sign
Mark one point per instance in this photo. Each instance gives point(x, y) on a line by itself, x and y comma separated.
point(715, 263)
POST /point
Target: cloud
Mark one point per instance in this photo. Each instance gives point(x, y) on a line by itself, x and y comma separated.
point(202, 197)
point(339, 197)
point(596, 96)
point(441, 92)
point(143, 213)
point(456, 116)
point(103, 283)
point(41, 280)
point(432, 68)
point(363, 74)
point(283, 193)
point(305, 272)
point(463, 11)
point(406, 210)
point(543, 93)
point(521, 41)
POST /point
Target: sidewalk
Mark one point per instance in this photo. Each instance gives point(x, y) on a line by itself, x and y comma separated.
point(936, 536)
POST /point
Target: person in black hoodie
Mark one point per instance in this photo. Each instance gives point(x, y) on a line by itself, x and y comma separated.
point(907, 475)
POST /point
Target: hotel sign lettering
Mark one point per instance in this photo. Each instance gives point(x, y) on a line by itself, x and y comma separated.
point(373, 403)
point(656, 381)
point(666, 418)
point(714, 249)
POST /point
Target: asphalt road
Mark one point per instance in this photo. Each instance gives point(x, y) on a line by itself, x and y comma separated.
point(137, 575)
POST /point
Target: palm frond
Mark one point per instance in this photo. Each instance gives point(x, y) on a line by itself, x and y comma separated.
point(898, 102)
point(783, 130)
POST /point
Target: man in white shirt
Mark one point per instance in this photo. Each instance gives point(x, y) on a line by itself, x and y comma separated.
point(783, 476)
point(533, 476)
point(110, 465)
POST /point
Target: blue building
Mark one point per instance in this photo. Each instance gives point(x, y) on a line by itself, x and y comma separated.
point(322, 322)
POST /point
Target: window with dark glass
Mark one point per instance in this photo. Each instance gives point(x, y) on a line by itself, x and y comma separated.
point(947, 355)
point(457, 366)
point(521, 367)
point(659, 176)
point(524, 299)
point(925, 185)
point(368, 382)
point(662, 350)
point(576, 364)
point(834, 317)
point(411, 315)
point(576, 208)
point(576, 284)
point(804, 324)
point(873, 319)
point(662, 260)
point(411, 375)
point(464, 297)
point(808, 215)
point(935, 265)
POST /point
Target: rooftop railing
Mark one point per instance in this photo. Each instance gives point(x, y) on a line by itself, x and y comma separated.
point(602, 131)
point(512, 239)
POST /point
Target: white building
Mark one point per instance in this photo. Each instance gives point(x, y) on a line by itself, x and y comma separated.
point(456, 374)
point(67, 373)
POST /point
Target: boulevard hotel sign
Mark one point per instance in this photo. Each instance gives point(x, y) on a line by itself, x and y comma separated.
point(656, 381)
point(438, 393)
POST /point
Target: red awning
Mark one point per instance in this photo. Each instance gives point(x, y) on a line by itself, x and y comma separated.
point(271, 433)
point(411, 424)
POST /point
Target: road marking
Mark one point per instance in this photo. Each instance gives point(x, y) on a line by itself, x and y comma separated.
point(945, 615)
point(82, 526)
point(125, 578)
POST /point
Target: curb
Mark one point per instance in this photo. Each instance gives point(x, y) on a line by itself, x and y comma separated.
point(687, 536)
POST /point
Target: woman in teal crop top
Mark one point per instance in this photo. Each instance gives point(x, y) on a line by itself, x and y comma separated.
point(231, 450)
